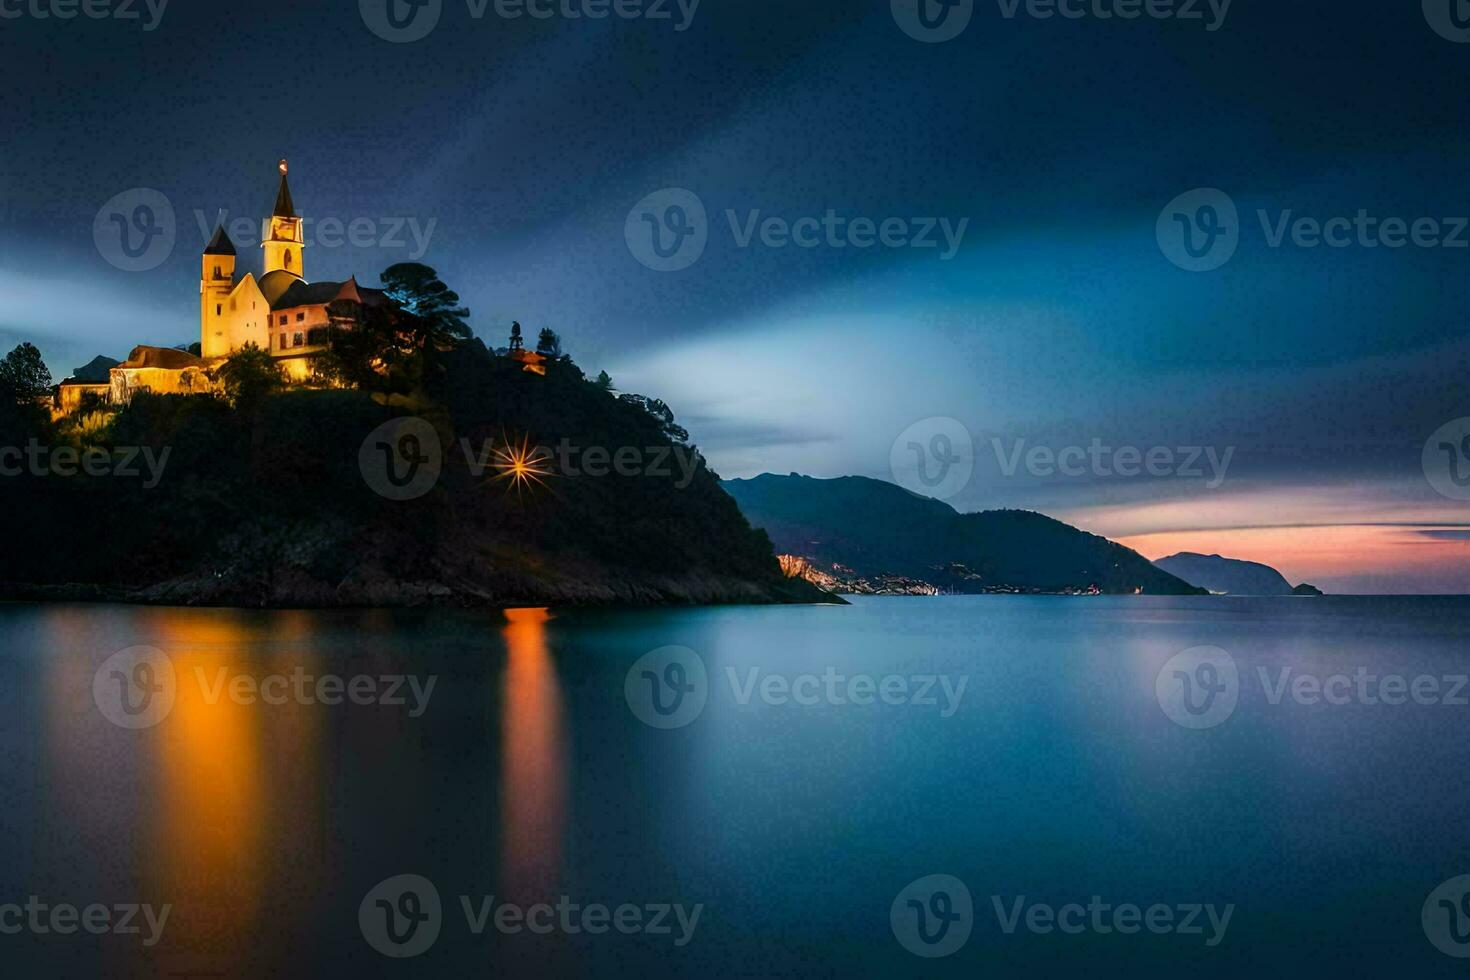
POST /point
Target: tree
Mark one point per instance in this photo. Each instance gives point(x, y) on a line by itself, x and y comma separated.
point(248, 375)
point(435, 321)
point(23, 375)
point(516, 343)
point(363, 348)
point(604, 381)
point(661, 413)
point(548, 343)
point(25, 386)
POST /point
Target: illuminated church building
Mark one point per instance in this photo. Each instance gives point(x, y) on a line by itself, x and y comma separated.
point(281, 312)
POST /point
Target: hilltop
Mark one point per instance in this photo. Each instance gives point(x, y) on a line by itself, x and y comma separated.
point(274, 503)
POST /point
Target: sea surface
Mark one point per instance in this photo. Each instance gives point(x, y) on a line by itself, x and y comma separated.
point(991, 786)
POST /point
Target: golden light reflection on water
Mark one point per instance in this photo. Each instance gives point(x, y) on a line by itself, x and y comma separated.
point(209, 808)
point(533, 783)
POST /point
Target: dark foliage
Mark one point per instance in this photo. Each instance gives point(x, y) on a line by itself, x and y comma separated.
point(270, 505)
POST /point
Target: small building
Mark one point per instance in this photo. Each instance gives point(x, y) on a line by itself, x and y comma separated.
point(532, 361)
point(160, 370)
point(69, 395)
point(92, 378)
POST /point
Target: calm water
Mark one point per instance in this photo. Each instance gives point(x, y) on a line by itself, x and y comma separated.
point(1053, 775)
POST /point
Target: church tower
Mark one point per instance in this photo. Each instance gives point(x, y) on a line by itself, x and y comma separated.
point(285, 242)
point(215, 283)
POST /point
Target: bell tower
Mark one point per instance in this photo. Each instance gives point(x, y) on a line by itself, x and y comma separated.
point(284, 241)
point(215, 283)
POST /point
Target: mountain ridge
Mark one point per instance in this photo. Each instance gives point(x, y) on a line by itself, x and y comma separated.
point(860, 529)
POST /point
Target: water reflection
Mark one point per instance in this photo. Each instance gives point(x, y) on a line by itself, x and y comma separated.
point(533, 765)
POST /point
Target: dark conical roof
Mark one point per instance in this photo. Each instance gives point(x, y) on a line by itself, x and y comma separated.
point(284, 207)
point(220, 244)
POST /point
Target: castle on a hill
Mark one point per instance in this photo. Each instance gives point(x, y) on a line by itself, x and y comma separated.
point(281, 312)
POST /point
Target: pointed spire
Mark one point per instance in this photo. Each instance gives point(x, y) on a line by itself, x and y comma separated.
point(284, 207)
point(220, 244)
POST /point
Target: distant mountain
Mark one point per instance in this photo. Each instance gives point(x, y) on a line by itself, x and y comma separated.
point(96, 371)
point(875, 536)
point(1229, 576)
